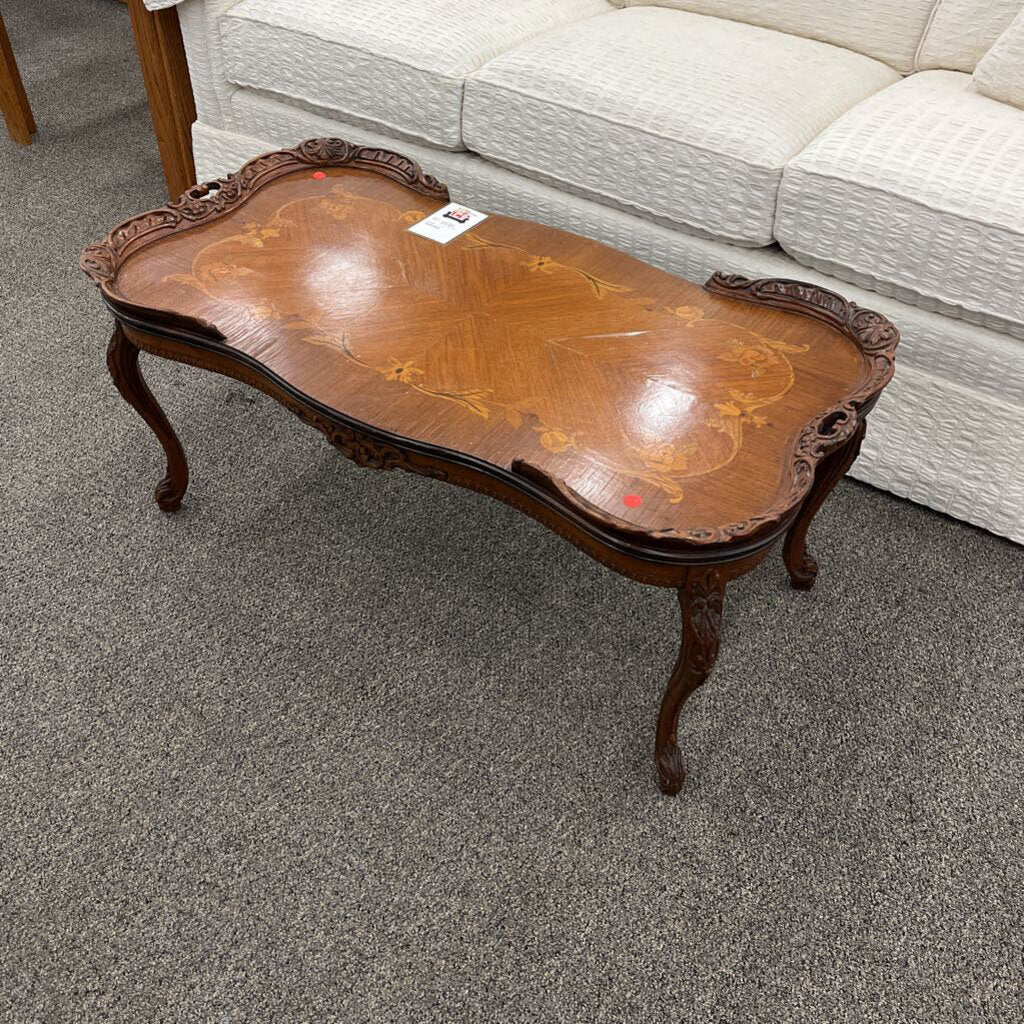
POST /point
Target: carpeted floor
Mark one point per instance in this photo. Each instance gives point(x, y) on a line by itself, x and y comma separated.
point(332, 745)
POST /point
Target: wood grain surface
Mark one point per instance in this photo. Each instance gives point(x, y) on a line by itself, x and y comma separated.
point(663, 406)
point(165, 73)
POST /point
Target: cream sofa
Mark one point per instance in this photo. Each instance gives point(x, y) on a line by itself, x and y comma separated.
point(838, 141)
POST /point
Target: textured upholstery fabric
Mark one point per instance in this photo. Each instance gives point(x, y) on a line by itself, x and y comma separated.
point(888, 30)
point(946, 432)
point(200, 21)
point(1001, 71)
point(961, 32)
point(159, 5)
point(678, 116)
point(399, 65)
point(919, 193)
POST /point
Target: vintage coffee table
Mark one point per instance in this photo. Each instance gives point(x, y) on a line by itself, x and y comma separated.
point(672, 432)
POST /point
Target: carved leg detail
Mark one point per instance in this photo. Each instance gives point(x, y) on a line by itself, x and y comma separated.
point(123, 363)
point(700, 599)
point(803, 569)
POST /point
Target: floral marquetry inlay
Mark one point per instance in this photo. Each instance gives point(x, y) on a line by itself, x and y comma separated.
point(688, 424)
point(643, 401)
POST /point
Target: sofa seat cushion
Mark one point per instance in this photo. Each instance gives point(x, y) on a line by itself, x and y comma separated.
point(398, 66)
point(676, 116)
point(917, 193)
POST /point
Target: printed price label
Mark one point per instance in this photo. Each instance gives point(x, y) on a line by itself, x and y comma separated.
point(447, 223)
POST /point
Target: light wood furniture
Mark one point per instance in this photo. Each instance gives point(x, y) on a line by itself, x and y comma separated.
point(672, 432)
point(21, 126)
point(169, 88)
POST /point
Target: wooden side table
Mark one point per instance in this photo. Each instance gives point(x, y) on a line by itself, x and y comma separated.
point(21, 126)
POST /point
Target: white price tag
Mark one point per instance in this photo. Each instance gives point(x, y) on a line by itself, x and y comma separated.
point(447, 223)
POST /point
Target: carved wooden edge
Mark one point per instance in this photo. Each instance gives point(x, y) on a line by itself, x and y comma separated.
point(559, 489)
point(874, 335)
point(212, 199)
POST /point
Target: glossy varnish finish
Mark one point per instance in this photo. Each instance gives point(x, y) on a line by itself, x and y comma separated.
point(672, 432)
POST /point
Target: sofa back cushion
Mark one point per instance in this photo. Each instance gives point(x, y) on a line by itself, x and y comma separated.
point(1000, 73)
point(888, 30)
point(961, 32)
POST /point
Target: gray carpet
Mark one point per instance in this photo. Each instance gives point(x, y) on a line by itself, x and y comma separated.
point(332, 745)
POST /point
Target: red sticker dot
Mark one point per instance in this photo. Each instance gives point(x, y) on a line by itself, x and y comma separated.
point(632, 500)
point(319, 174)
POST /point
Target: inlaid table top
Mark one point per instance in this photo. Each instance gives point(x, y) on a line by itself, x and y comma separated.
point(650, 402)
point(659, 425)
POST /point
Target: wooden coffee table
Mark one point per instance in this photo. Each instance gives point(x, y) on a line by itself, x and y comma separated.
point(672, 432)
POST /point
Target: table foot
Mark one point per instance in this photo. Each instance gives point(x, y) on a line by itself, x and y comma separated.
point(123, 363)
point(700, 600)
point(803, 569)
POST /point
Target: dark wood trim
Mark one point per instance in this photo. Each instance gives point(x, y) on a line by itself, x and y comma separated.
point(21, 125)
point(169, 88)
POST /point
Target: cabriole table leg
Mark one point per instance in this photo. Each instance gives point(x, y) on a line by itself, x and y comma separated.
point(700, 599)
point(123, 363)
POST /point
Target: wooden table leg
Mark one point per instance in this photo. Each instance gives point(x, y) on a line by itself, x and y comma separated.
point(803, 569)
point(123, 363)
point(700, 598)
point(169, 88)
point(21, 126)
